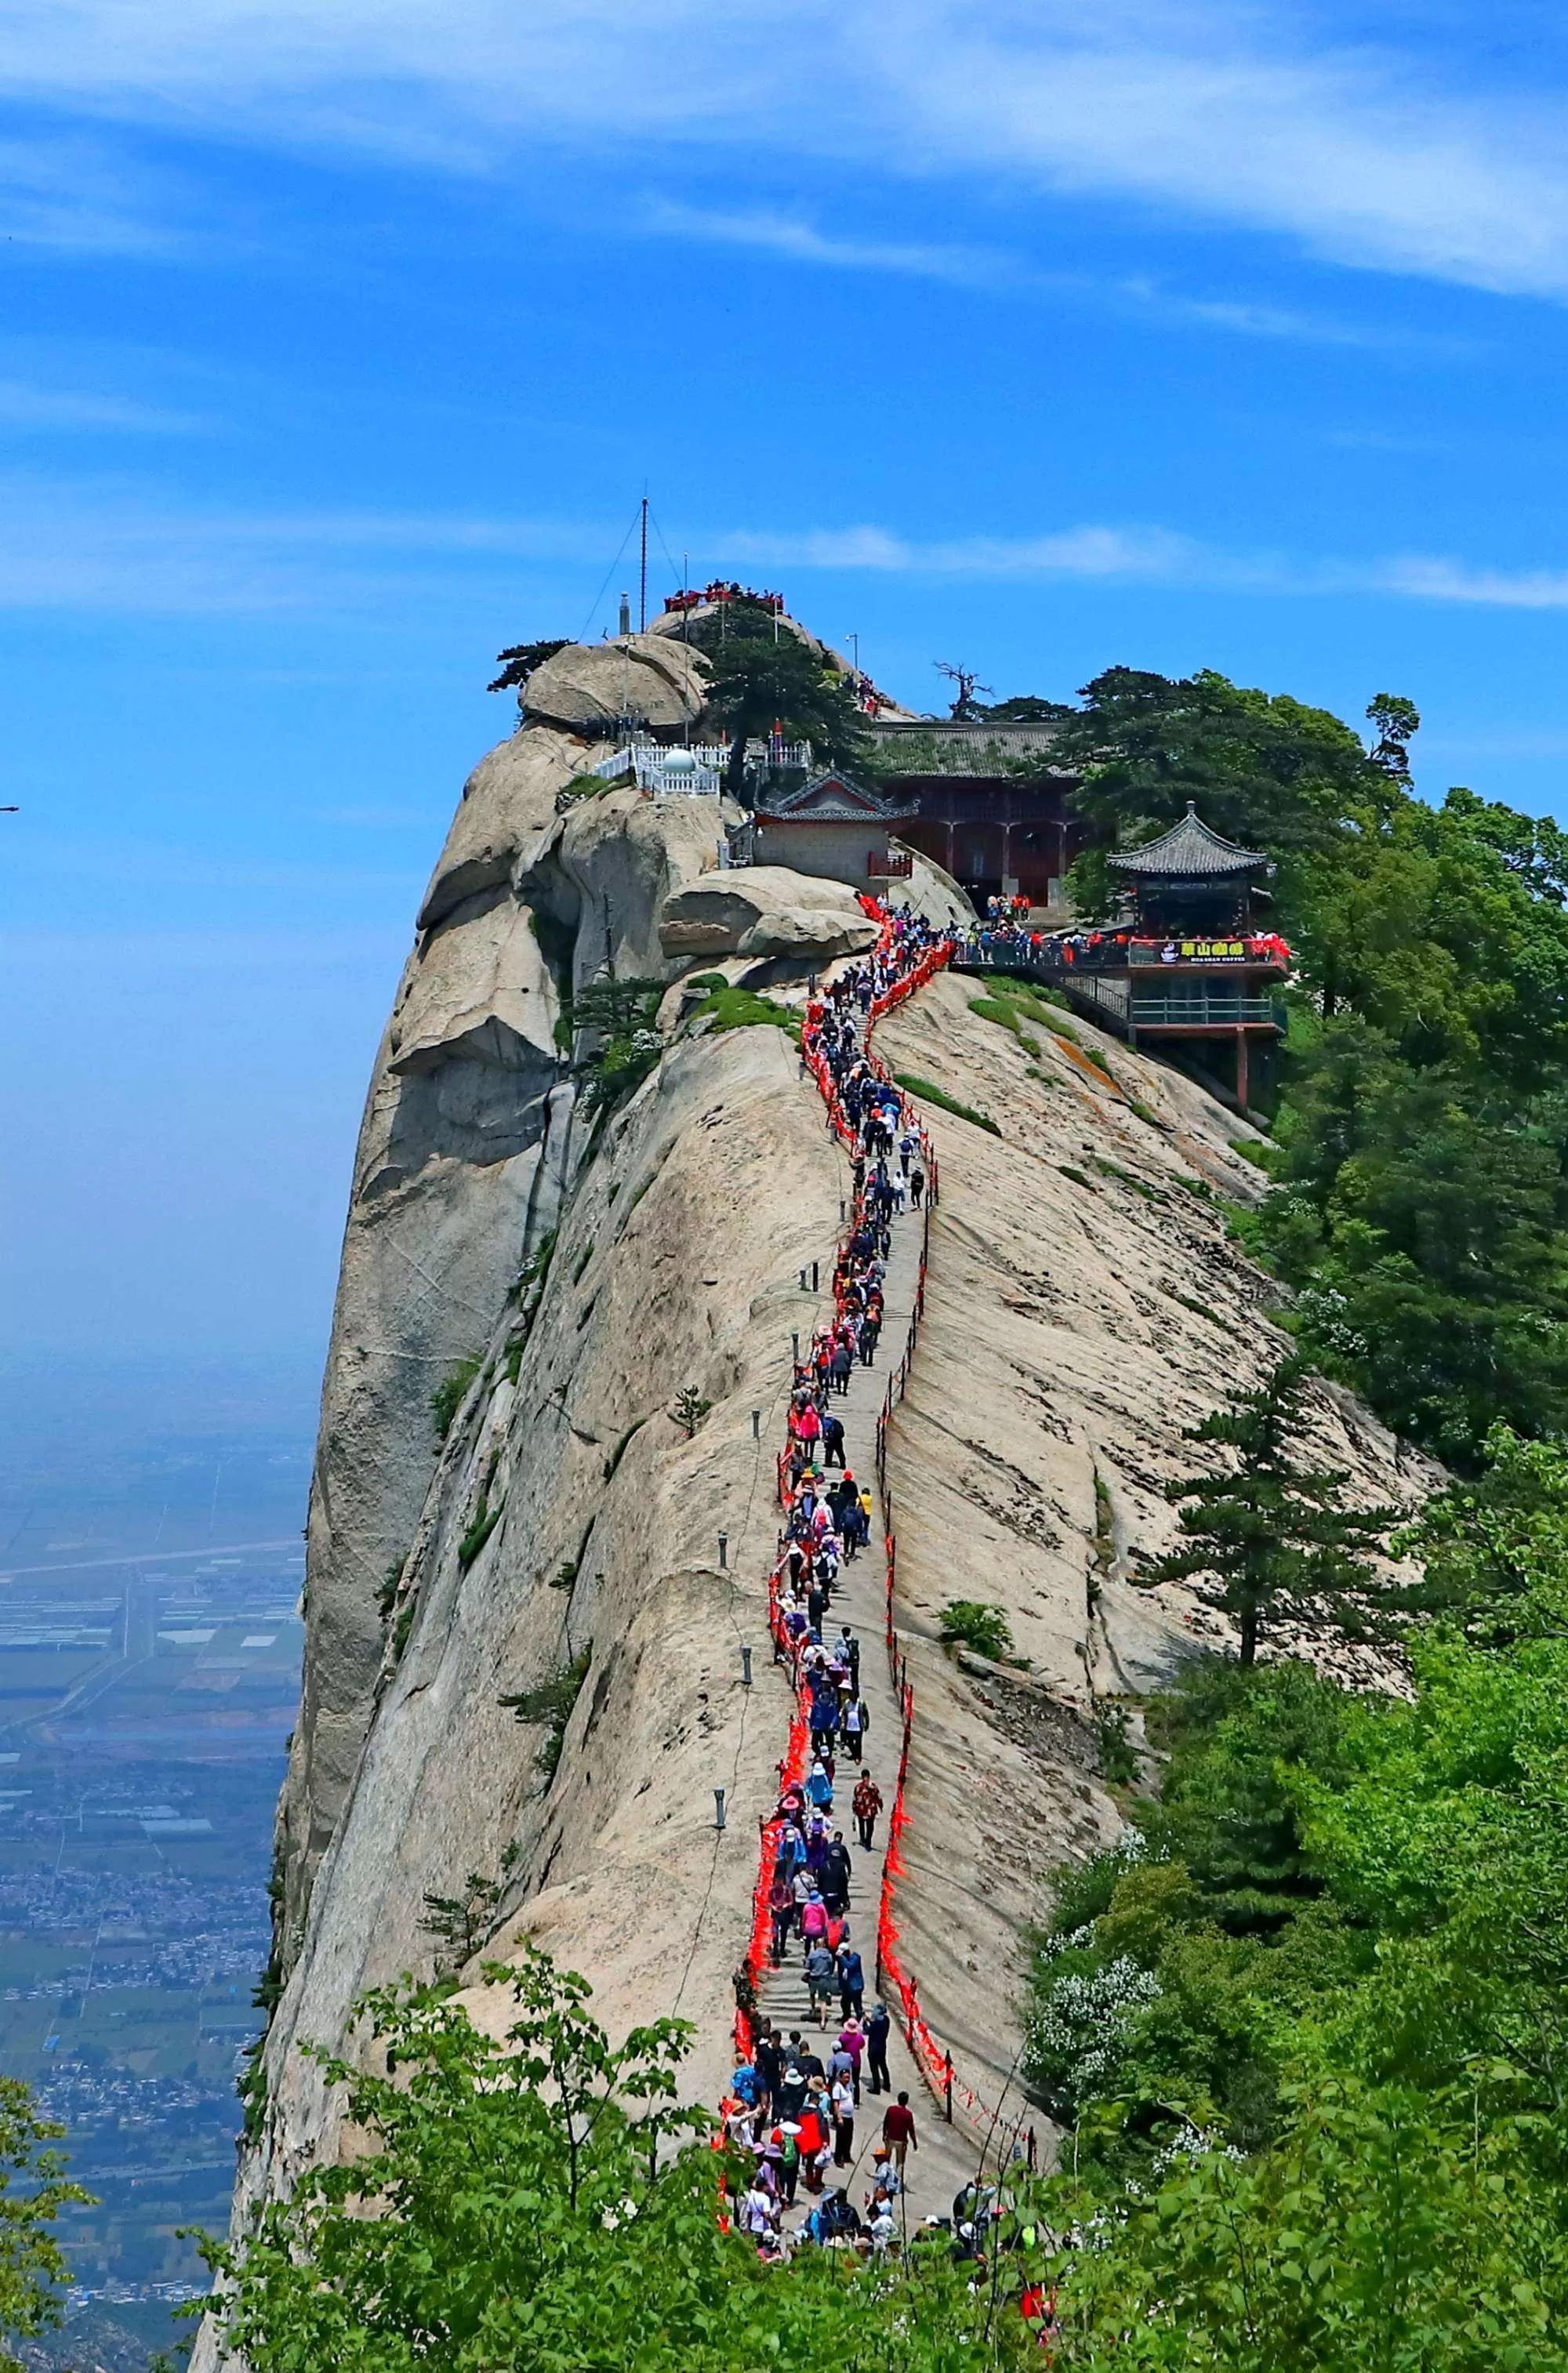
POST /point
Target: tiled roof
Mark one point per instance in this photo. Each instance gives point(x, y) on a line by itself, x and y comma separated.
point(937, 746)
point(1190, 851)
point(830, 799)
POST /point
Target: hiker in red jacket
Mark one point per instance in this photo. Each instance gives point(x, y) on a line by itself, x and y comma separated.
point(867, 1804)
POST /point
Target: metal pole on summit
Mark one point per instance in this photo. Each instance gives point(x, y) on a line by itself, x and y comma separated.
point(642, 596)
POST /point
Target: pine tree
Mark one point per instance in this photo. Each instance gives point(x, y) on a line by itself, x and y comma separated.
point(1270, 1537)
point(759, 682)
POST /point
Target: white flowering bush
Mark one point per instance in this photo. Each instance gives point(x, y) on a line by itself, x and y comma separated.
point(1083, 2023)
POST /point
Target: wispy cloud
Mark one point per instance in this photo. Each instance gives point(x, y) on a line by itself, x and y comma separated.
point(1123, 554)
point(802, 242)
point(23, 405)
point(1438, 157)
point(1002, 272)
point(104, 548)
point(1288, 323)
point(78, 197)
point(1425, 578)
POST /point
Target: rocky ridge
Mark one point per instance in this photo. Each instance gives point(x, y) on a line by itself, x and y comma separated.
point(1084, 1303)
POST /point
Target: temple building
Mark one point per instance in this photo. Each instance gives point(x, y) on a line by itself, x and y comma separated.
point(1188, 971)
point(826, 824)
point(1000, 833)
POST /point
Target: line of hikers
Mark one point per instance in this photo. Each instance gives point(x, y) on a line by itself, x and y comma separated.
point(795, 2113)
point(788, 2105)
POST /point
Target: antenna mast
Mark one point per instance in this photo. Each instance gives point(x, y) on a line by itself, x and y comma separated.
point(642, 598)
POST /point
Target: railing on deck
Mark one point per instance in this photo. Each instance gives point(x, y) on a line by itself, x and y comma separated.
point(1200, 1012)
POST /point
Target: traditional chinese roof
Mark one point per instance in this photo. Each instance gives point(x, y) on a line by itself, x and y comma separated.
point(830, 799)
point(935, 745)
point(1189, 852)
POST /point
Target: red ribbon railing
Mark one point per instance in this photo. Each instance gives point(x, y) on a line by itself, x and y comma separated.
point(792, 1769)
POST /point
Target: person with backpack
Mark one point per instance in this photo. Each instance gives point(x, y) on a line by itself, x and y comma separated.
point(843, 2099)
point(853, 2044)
point(822, 1973)
point(835, 1873)
point(787, 2139)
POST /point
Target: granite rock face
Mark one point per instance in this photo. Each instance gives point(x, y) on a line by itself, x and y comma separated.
point(764, 910)
point(467, 1144)
point(592, 686)
point(1084, 1303)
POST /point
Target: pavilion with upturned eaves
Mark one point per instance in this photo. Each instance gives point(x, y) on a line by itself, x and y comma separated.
point(1187, 967)
point(1198, 970)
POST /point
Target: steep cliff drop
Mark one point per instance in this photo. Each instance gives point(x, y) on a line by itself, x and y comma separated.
point(524, 1676)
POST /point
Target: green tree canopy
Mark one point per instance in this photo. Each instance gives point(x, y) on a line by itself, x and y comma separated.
point(763, 674)
point(33, 2190)
point(1264, 1536)
point(1420, 1202)
point(544, 2203)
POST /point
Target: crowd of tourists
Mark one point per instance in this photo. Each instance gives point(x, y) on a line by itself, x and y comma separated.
point(1009, 940)
point(798, 2097)
point(794, 2098)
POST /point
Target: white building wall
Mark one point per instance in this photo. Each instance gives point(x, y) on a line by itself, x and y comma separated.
point(838, 851)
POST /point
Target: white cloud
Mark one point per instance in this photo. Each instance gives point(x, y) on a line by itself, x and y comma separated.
point(108, 547)
point(1123, 554)
point(1388, 155)
point(1425, 578)
point(802, 242)
point(75, 197)
point(769, 232)
point(23, 405)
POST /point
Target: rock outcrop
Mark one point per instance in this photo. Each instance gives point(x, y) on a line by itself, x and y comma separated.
point(764, 910)
point(1084, 1303)
point(467, 1144)
point(593, 686)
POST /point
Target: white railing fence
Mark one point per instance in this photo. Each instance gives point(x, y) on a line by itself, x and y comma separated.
point(692, 772)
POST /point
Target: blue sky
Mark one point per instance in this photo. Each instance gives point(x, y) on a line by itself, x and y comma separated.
point(337, 344)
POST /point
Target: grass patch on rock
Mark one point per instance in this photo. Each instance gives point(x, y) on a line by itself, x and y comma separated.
point(930, 1094)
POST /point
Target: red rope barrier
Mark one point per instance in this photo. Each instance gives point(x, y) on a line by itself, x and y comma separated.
point(792, 1769)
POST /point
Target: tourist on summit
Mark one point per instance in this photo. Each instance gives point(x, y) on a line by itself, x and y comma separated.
point(786, 2136)
point(781, 1909)
point(814, 2143)
point(835, 1873)
point(814, 1923)
point(768, 2061)
point(833, 1427)
point(877, 2027)
point(852, 1727)
point(851, 1986)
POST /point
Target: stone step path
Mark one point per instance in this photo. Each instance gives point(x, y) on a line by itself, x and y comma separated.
point(947, 2156)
